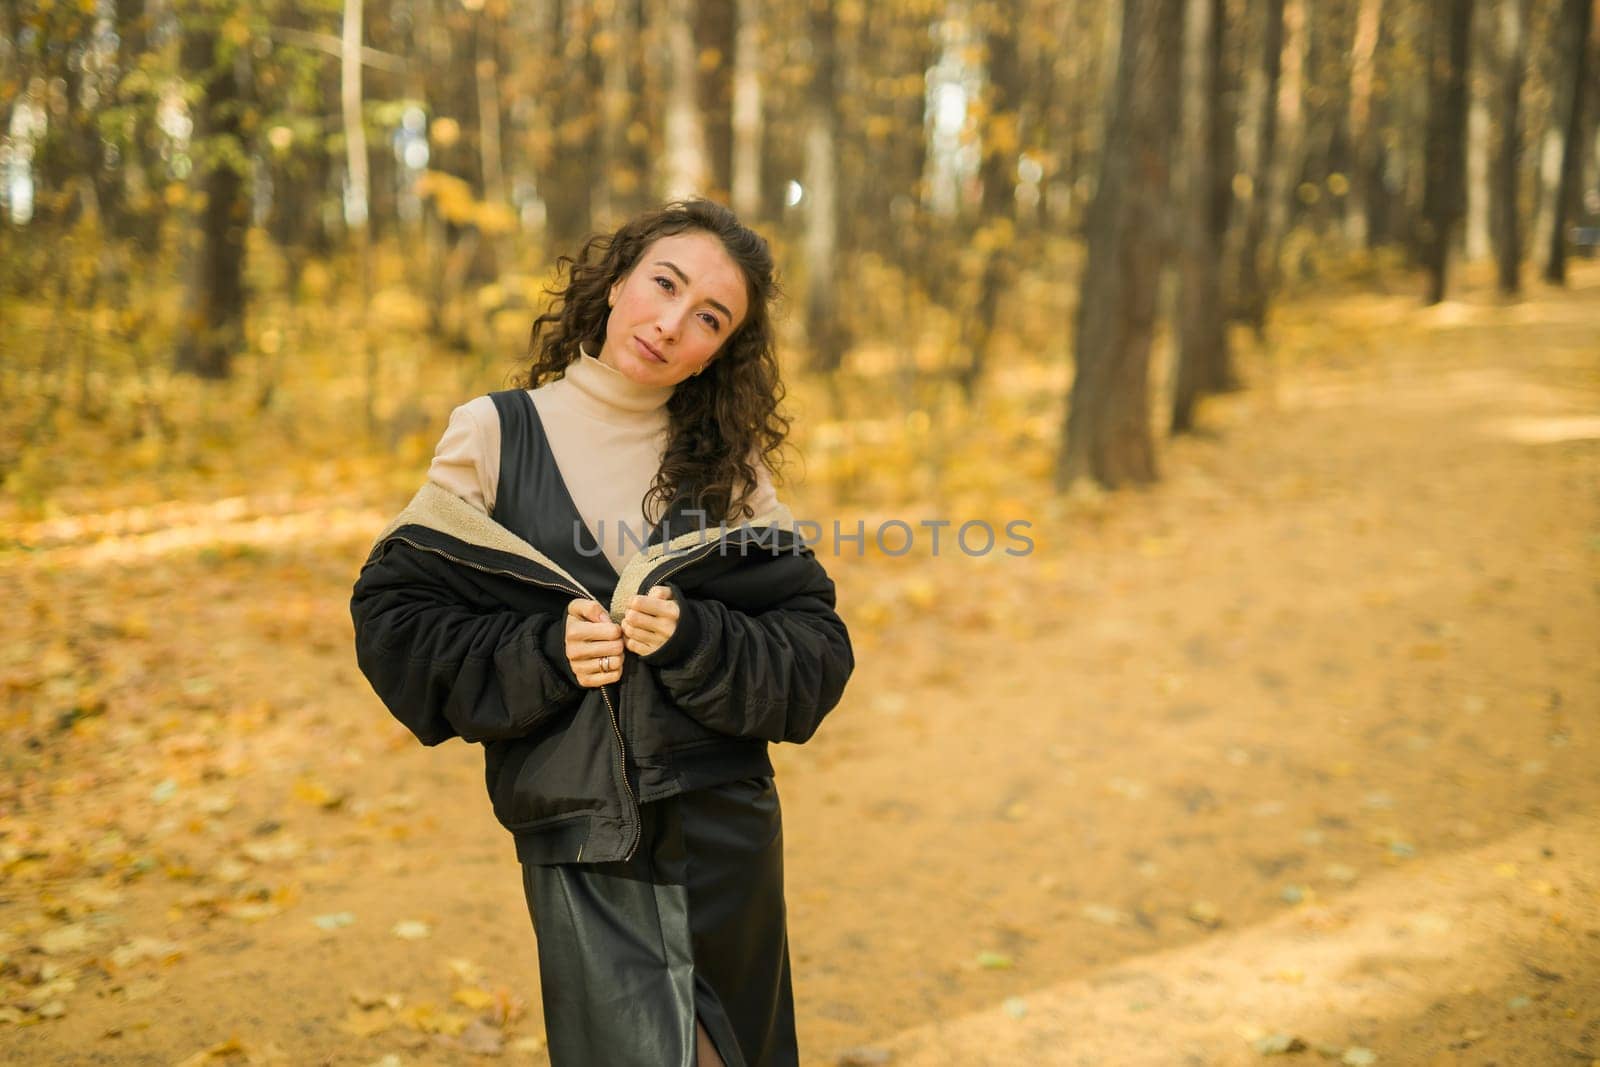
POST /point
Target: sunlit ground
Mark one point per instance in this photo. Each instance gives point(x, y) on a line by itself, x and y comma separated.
point(1296, 749)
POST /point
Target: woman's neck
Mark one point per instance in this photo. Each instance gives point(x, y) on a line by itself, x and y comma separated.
point(604, 389)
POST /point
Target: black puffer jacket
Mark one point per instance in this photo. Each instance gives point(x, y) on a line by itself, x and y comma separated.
point(460, 628)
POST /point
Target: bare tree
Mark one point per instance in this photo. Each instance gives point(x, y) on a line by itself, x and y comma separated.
point(745, 186)
point(716, 23)
point(212, 330)
point(1251, 291)
point(1443, 199)
point(574, 80)
point(824, 331)
point(1572, 37)
point(1363, 131)
point(1479, 92)
point(685, 162)
point(1203, 363)
point(1506, 225)
point(1107, 429)
point(998, 173)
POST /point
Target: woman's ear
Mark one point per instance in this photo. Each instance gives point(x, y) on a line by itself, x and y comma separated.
point(611, 294)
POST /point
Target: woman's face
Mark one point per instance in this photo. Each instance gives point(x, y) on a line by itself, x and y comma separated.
point(672, 312)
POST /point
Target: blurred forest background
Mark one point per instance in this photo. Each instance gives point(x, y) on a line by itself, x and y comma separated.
point(347, 214)
point(1297, 752)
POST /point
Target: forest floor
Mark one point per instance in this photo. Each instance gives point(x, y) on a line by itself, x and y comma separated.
point(1299, 749)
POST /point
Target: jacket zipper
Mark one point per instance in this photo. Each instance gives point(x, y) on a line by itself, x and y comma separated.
point(688, 560)
point(611, 710)
point(622, 767)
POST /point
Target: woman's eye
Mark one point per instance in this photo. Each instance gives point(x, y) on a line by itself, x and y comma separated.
point(664, 282)
point(710, 320)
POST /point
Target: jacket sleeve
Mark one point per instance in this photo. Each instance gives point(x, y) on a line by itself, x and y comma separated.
point(772, 674)
point(446, 668)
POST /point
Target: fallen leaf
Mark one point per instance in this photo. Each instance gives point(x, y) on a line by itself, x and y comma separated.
point(1105, 916)
point(465, 971)
point(367, 1023)
point(71, 938)
point(430, 1020)
point(145, 948)
point(481, 1039)
point(411, 929)
point(315, 793)
point(97, 896)
point(476, 999)
point(1341, 873)
point(333, 921)
point(367, 999)
point(1015, 1007)
point(251, 911)
point(221, 1050)
point(1356, 1056)
point(994, 961)
point(1277, 1044)
point(275, 850)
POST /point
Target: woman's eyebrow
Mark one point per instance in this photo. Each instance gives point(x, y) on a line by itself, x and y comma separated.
point(673, 267)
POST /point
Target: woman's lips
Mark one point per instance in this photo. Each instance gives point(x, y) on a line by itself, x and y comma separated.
point(648, 352)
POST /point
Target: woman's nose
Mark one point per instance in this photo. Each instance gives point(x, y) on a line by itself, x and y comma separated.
point(669, 322)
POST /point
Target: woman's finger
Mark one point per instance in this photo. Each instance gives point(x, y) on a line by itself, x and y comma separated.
point(655, 607)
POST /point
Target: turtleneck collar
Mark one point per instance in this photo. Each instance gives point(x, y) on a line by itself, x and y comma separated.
point(608, 389)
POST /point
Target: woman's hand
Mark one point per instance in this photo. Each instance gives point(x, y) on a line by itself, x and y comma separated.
point(594, 644)
point(650, 620)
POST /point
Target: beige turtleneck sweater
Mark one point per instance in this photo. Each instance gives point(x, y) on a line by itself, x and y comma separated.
point(607, 433)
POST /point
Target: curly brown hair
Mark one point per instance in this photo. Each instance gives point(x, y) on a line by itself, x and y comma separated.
point(719, 421)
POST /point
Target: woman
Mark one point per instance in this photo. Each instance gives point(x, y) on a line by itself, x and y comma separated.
point(626, 750)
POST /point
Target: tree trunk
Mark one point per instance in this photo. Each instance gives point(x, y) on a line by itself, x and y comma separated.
point(1107, 430)
point(212, 329)
point(715, 26)
point(1479, 91)
point(355, 146)
point(1363, 132)
point(1449, 44)
point(686, 167)
point(486, 77)
point(1288, 162)
point(137, 212)
point(745, 190)
point(1506, 218)
point(1572, 29)
point(570, 177)
point(622, 160)
point(1002, 140)
point(1252, 286)
point(1202, 362)
point(823, 328)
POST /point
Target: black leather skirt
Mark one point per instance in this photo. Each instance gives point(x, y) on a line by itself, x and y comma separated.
point(630, 953)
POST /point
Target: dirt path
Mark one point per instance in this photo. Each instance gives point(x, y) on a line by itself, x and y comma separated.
point(1300, 745)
